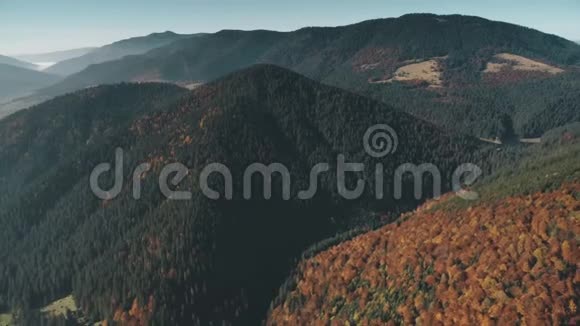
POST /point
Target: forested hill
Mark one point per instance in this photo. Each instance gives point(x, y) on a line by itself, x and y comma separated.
point(200, 260)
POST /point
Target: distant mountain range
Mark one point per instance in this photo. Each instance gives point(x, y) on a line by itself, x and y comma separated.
point(16, 81)
point(55, 56)
point(424, 64)
point(16, 63)
point(117, 50)
point(341, 55)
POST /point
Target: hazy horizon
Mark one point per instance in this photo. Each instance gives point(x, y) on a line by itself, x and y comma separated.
point(30, 27)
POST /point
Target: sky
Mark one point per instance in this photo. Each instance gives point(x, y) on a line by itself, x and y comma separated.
point(36, 26)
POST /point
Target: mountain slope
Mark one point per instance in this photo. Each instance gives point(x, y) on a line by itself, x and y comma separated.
point(16, 63)
point(56, 56)
point(509, 258)
point(199, 260)
point(16, 81)
point(117, 50)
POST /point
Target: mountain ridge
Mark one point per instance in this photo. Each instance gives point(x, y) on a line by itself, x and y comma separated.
point(17, 63)
point(17, 81)
point(114, 51)
point(55, 56)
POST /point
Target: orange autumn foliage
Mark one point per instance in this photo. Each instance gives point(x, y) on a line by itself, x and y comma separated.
point(513, 261)
point(137, 316)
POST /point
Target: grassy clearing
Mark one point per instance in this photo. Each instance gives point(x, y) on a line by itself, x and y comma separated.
point(6, 320)
point(520, 63)
point(428, 71)
point(60, 307)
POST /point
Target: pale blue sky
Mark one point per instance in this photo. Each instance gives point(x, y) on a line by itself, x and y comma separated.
point(29, 26)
